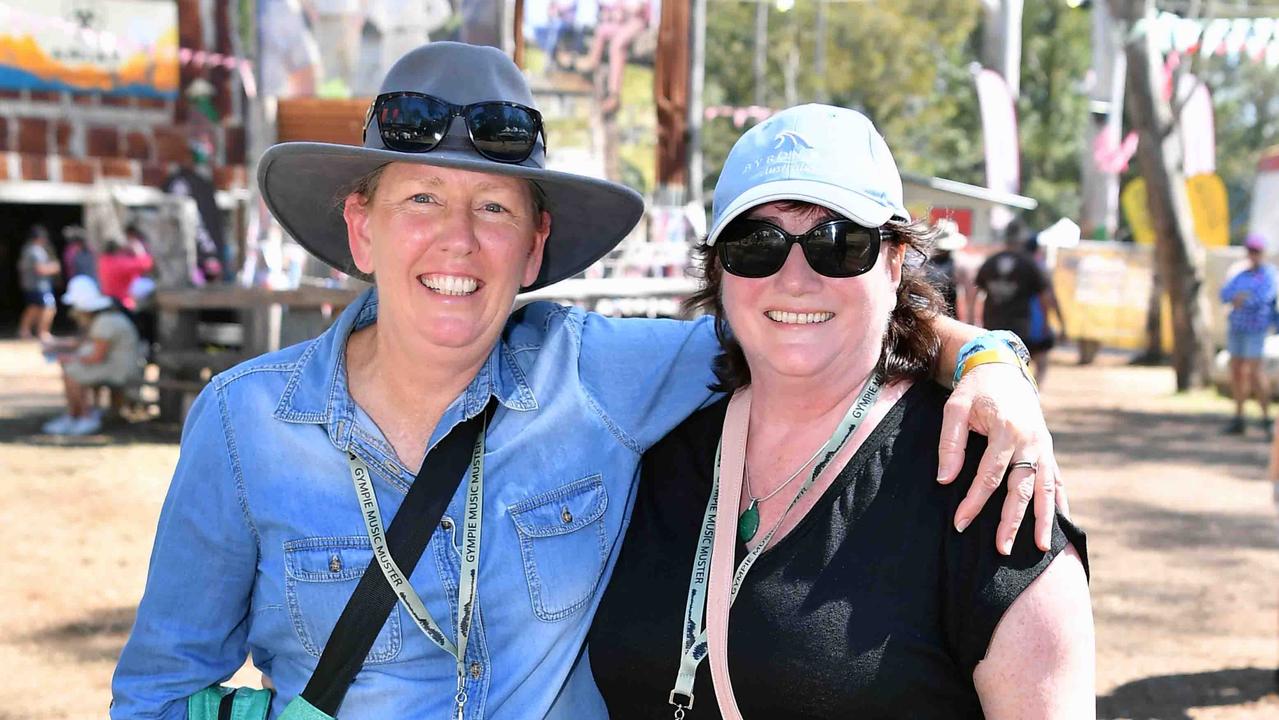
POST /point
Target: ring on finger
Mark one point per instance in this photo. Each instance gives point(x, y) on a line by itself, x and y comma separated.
point(1030, 465)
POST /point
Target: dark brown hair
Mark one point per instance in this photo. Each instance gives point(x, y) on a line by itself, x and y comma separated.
point(911, 344)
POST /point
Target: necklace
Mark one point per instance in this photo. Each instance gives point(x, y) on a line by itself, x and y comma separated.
point(748, 521)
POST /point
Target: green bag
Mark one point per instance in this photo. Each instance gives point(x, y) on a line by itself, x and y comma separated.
point(224, 703)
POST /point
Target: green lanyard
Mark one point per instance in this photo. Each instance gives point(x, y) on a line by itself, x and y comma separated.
point(693, 633)
point(469, 585)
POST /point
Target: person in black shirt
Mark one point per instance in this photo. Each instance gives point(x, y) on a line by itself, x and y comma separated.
point(856, 597)
point(1017, 295)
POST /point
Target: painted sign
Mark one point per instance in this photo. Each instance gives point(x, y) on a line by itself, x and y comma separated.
point(112, 47)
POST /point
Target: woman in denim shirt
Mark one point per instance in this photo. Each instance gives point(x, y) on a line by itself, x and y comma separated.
point(261, 539)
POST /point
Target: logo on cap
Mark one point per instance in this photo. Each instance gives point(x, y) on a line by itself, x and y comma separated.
point(791, 140)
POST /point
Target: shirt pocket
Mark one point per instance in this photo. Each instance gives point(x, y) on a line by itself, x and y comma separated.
point(320, 577)
point(562, 543)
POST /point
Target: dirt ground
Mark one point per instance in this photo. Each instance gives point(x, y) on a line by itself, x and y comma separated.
point(1183, 541)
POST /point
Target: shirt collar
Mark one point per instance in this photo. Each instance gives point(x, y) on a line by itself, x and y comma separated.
point(316, 391)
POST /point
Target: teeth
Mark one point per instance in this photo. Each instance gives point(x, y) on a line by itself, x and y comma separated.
point(450, 284)
point(791, 318)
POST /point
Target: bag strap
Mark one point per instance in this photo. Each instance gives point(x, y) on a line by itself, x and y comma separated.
point(410, 531)
point(732, 465)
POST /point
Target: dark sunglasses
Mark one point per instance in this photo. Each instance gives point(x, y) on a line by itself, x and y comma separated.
point(504, 132)
point(837, 248)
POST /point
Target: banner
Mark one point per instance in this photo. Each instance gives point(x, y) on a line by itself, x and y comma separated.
point(1198, 133)
point(112, 47)
point(1208, 208)
point(999, 133)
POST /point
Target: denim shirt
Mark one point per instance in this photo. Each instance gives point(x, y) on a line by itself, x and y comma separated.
point(261, 543)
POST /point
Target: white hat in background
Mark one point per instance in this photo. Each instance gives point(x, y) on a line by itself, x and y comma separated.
point(83, 294)
point(948, 236)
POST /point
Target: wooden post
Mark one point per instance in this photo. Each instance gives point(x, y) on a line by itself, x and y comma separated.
point(1159, 156)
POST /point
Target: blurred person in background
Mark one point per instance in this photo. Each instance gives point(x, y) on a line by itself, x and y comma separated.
point(1251, 295)
point(106, 353)
point(121, 264)
point(1006, 284)
point(941, 268)
point(620, 23)
point(37, 268)
point(77, 257)
point(1041, 337)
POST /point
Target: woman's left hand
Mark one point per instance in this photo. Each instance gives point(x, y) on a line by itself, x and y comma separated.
point(997, 401)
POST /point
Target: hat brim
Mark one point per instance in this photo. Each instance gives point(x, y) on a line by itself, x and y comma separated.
point(852, 205)
point(88, 305)
point(304, 185)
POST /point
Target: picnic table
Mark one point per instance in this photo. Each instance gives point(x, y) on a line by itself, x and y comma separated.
point(191, 348)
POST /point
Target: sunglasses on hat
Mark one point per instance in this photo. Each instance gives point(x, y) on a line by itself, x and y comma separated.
point(504, 132)
point(837, 248)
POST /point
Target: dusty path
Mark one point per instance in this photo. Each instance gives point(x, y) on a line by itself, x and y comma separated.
point(1182, 535)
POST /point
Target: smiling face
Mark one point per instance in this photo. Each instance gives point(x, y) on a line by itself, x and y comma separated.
point(798, 324)
point(450, 250)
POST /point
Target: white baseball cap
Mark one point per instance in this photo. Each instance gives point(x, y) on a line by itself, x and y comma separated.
point(819, 154)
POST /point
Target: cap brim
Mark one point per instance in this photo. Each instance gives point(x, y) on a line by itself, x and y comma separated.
point(305, 184)
point(852, 205)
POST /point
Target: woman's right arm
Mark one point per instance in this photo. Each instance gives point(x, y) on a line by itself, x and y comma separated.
point(1041, 660)
point(192, 624)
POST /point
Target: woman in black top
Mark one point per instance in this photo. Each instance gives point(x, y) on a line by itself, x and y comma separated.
point(862, 600)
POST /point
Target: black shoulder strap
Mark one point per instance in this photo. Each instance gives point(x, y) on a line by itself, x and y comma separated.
point(410, 530)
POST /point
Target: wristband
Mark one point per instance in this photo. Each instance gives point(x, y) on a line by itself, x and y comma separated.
point(998, 355)
point(1013, 352)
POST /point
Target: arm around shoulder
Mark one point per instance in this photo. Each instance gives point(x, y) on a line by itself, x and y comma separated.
point(1041, 662)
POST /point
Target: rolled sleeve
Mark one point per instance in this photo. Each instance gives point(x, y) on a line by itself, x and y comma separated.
point(192, 624)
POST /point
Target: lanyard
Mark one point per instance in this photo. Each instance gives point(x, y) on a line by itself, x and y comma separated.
point(469, 585)
point(693, 632)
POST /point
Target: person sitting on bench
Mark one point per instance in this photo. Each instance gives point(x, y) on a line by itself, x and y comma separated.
point(107, 353)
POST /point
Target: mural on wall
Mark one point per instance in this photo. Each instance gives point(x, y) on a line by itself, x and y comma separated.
point(113, 47)
point(341, 48)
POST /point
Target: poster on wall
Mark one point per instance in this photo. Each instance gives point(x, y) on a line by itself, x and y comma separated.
point(112, 47)
point(342, 48)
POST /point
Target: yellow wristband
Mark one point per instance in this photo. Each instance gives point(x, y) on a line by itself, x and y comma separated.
point(998, 355)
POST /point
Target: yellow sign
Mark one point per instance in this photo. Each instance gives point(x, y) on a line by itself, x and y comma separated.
point(1208, 208)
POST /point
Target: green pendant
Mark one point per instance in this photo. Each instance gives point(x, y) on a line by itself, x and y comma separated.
point(748, 522)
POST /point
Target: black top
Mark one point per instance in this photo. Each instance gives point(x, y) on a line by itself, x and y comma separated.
point(871, 607)
point(1010, 279)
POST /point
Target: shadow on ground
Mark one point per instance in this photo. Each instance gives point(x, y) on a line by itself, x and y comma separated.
point(1113, 437)
point(1152, 526)
point(98, 637)
point(1170, 697)
point(24, 429)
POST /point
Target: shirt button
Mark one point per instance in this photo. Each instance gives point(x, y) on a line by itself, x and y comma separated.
point(476, 670)
point(446, 524)
point(566, 516)
point(335, 564)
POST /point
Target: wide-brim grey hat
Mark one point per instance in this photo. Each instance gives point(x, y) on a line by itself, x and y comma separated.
point(304, 183)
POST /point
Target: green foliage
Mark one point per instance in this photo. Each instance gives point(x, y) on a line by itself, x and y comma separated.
point(1052, 110)
point(904, 64)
